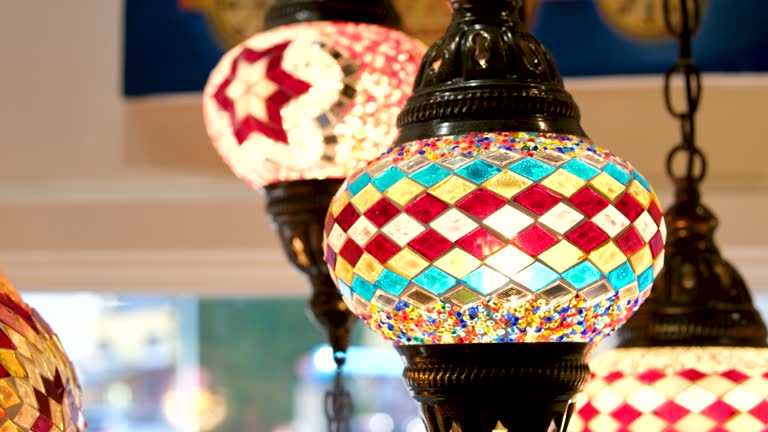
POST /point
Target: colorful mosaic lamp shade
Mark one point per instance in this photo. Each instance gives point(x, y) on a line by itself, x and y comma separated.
point(39, 390)
point(494, 244)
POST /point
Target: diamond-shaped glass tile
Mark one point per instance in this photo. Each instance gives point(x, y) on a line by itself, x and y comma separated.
point(368, 268)
point(407, 263)
point(452, 189)
point(582, 275)
point(402, 191)
point(430, 244)
point(464, 296)
point(359, 183)
point(593, 159)
point(507, 184)
point(478, 171)
point(351, 252)
point(485, 280)
point(425, 208)
point(587, 236)
point(509, 260)
point(561, 218)
point(344, 271)
point(381, 212)
point(607, 185)
point(379, 167)
point(588, 202)
point(412, 164)
point(622, 276)
point(655, 211)
point(362, 231)
point(532, 168)
point(695, 398)
point(617, 173)
point(556, 294)
point(658, 264)
point(384, 300)
point(363, 288)
point(562, 256)
point(391, 282)
point(534, 240)
point(508, 221)
point(453, 225)
point(537, 199)
point(536, 276)
point(645, 226)
point(455, 161)
point(366, 198)
point(741, 399)
point(640, 193)
point(330, 256)
point(337, 237)
point(480, 243)
point(716, 384)
point(629, 207)
point(419, 297)
point(382, 248)
point(501, 158)
point(359, 304)
point(630, 242)
point(580, 169)
point(481, 203)
point(347, 217)
point(645, 279)
point(597, 293)
point(563, 182)
point(551, 157)
point(431, 175)
point(611, 221)
point(641, 260)
point(435, 280)
point(663, 229)
point(607, 257)
point(656, 244)
point(629, 292)
point(513, 295)
point(403, 229)
point(457, 263)
point(387, 178)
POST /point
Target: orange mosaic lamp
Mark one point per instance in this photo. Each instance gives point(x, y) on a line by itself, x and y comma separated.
point(39, 391)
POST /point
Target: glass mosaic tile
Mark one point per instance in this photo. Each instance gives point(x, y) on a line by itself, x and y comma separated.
point(561, 218)
point(425, 208)
point(413, 164)
point(617, 173)
point(430, 244)
point(368, 268)
point(435, 281)
point(582, 275)
point(452, 189)
point(337, 237)
point(587, 236)
point(597, 293)
point(351, 252)
point(656, 244)
point(563, 182)
point(362, 231)
point(501, 158)
point(537, 199)
point(402, 191)
point(363, 288)
point(630, 242)
point(607, 257)
point(384, 300)
point(478, 171)
point(508, 221)
point(513, 295)
point(655, 211)
point(629, 207)
point(629, 292)
point(507, 184)
point(641, 260)
point(431, 175)
point(379, 167)
point(552, 157)
point(480, 243)
point(419, 297)
point(359, 183)
point(645, 226)
point(532, 169)
point(347, 217)
point(536, 276)
point(594, 160)
point(455, 161)
point(663, 230)
point(481, 203)
point(387, 178)
point(658, 264)
point(640, 193)
point(580, 169)
point(621, 276)
point(556, 294)
point(509, 260)
point(381, 212)
point(330, 256)
point(562, 256)
point(402, 229)
point(367, 197)
point(588, 202)
point(407, 263)
point(607, 185)
point(391, 282)
point(485, 280)
point(457, 263)
point(534, 240)
point(382, 248)
point(645, 279)
point(464, 297)
point(611, 221)
point(453, 225)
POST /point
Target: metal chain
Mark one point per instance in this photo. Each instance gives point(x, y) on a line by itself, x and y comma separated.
point(338, 402)
point(683, 26)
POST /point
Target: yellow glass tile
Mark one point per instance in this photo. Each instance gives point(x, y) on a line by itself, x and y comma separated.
point(716, 384)
point(457, 263)
point(339, 202)
point(30, 366)
point(344, 270)
point(452, 189)
point(648, 423)
point(607, 257)
point(365, 198)
point(641, 195)
point(403, 191)
point(507, 184)
point(607, 185)
point(407, 263)
point(8, 396)
point(56, 414)
point(19, 341)
point(11, 363)
point(368, 268)
point(8, 426)
point(563, 182)
point(743, 422)
point(562, 256)
point(26, 416)
point(624, 387)
point(26, 392)
point(641, 260)
point(671, 386)
point(695, 422)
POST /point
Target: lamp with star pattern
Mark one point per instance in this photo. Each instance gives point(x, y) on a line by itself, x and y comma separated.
point(494, 244)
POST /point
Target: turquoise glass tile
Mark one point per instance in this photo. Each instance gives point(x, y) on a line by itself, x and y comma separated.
point(581, 169)
point(391, 282)
point(485, 280)
point(582, 275)
point(345, 290)
point(478, 171)
point(363, 288)
point(617, 173)
point(387, 178)
point(646, 279)
point(359, 184)
point(640, 179)
point(430, 175)
point(622, 276)
point(536, 276)
point(533, 169)
point(435, 280)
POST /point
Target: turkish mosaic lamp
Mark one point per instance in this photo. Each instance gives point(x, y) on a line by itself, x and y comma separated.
point(293, 110)
point(494, 244)
point(39, 390)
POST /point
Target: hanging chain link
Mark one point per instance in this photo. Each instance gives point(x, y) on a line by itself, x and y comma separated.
point(338, 402)
point(682, 23)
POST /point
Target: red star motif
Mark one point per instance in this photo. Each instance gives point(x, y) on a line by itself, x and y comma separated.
point(276, 88)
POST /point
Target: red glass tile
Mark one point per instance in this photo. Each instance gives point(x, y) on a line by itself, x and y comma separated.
point(587, 236)
point(4, 372)
point(588, 412)
point(719, 411)
point(480, 243)
point(425, 208)
point(347, 217)
point(43, 405)
point(656, 244)
point(430, 244)
point(42, 424)
point(630, 242)
point(382, 248)
point(588, 202)
point(655, 212)
point(760, 412)
point(735, 376)
point(381, 212)
point(671, 412)
point(625, 414)
point(629, 207)
point(650, 376)
point(351, 252)
point(9, 318)
point(329, 223)
point(330, 256)
point(534, 240)
point(613, 376)
point(6, 342)
point(691, 374)
point(538, 199)
point(481, 203)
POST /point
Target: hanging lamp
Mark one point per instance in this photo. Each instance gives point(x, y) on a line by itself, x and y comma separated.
point(493, 244)
point(694, 358)
point(39, 390)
